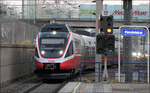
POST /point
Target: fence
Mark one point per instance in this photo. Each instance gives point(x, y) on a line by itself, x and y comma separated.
point(137, 75)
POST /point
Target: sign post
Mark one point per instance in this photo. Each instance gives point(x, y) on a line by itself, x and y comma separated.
point(134, 31)
point(105, 72)
point(99, 8)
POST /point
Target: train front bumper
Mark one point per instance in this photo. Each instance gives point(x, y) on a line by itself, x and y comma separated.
point(47, 74)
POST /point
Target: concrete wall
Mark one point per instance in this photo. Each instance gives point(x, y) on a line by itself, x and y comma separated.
point(16, 60)
point(15, 32)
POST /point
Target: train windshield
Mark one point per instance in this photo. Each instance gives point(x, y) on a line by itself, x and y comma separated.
point(52, 44)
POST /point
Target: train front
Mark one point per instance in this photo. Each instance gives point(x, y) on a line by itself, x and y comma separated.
point(52, 44)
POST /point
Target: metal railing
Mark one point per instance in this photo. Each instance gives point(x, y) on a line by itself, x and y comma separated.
point(139, 72)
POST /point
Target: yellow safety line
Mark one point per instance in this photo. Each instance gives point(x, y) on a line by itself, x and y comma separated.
point(75, 89)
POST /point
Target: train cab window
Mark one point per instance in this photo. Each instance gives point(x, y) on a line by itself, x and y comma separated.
point(70, 50)
point(52, 44)
point(36, 53)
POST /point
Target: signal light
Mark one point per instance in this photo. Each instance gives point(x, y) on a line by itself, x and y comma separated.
point(100, 44)
point(109, 31)
point(106, 24)
point(110, 42)
point(105, 44)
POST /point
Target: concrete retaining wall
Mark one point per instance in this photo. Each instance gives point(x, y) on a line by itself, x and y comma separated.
point(16, 32)
point(16, 60)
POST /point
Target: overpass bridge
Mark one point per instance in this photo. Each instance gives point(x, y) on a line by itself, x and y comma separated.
point(86, 23)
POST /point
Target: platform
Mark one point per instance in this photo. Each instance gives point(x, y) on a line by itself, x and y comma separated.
point(80, 87)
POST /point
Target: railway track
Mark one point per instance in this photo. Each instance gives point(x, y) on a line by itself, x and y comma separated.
point(35, 85)
point(49, 86)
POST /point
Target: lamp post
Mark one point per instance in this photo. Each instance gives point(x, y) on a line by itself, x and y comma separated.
point(127, 41)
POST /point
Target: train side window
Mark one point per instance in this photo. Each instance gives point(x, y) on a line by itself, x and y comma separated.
point(77, 45)
point(89, 43)
point(70, 50)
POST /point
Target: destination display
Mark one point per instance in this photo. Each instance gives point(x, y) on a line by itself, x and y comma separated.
point(52, 41)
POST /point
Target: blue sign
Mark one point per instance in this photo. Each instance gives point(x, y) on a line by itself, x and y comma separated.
point(133, 32)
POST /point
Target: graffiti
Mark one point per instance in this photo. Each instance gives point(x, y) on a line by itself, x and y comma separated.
point(3, 35)
point(139, 13)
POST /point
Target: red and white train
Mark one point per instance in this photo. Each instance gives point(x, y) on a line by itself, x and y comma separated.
point(58, 51)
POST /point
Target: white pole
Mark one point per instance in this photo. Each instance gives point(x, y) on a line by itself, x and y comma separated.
point(105, 73)
point(119, 57)
point(99, 8)
point(35, 11)
point(148, 59)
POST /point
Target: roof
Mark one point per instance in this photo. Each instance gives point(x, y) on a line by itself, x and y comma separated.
point(50, 27)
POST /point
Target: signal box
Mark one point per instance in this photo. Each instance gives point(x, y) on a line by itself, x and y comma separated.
point(106, 24)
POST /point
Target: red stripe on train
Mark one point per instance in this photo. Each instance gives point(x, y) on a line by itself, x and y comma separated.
point(39, 65)
point(71, 63)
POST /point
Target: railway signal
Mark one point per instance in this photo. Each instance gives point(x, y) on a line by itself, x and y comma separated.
point(106, 24)
point(100, 44)
point(105, 43)
point(110, 42)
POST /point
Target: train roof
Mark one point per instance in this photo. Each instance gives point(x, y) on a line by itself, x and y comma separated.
point(50, 27)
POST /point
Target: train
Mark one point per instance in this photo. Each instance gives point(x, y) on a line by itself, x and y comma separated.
point(58, 51)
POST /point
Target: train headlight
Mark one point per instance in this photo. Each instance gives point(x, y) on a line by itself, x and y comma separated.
point(42, 52)
point(139, 54)
point(54, 32)
point(146, 55)
point(134, 54)
point(60, 52)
